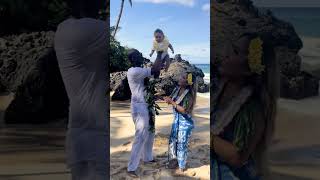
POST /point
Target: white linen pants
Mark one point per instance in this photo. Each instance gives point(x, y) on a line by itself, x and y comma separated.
point(143, 140)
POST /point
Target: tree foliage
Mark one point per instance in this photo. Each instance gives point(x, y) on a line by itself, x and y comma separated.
point(118, 55)
point(17, 16)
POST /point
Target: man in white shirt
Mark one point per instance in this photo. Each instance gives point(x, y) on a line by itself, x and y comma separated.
point(81, 49)
point(143, 142)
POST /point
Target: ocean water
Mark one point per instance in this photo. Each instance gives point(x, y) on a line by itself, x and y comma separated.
point(306, 22)
point(206, 70)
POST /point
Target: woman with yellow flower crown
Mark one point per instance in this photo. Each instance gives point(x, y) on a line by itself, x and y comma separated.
point(183, 99)
point(244, 109)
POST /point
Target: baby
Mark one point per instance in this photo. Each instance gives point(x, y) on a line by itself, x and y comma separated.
point(161, 45)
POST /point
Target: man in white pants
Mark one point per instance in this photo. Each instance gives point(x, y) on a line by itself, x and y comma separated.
point(81, 48)
point(143, 142)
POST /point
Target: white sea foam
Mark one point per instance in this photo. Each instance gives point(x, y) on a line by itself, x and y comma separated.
point(206, 77)
point(310, 54)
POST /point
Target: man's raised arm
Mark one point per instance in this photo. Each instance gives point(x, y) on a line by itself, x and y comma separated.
point(155, 69)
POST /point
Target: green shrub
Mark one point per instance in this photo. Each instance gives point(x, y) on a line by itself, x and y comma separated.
point(17, 16)
point(118, 56)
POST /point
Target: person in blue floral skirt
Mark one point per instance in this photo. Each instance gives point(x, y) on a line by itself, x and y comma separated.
point(183, 99)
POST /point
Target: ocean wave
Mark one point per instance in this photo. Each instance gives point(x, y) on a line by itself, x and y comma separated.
point(206, 77)
point(310, 54)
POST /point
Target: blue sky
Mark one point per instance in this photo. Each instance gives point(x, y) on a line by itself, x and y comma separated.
point(186, 23)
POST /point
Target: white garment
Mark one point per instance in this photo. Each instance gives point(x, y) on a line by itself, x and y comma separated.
point(136, 76)
point(80, 46)
point(143, 142)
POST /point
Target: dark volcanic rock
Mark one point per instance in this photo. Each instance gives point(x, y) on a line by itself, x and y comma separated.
point(31, 71)
point(170, 78)
point(116, 78)
point(119, 82)
point(290, 61)
point(204, 88)
point(2, 88)
point(299, 86)
point(232, 18)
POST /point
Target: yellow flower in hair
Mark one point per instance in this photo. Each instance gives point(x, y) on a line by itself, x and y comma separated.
point(190, 79)
point(255, 56)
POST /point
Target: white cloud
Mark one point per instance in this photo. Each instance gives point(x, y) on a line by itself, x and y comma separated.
point(206, 7)
point(165, 19)
point(189, 3)
point(195, 51)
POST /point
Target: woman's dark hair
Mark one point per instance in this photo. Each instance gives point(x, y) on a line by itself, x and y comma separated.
point(266, 92)
point(193, 90)
point(158, 31)
point(85, 8)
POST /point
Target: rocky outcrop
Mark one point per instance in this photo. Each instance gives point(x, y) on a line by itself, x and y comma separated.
point(178, 66)
point(231, 18)
point(29, 68)
point(119, 84)
point(169, 79)
point(300, 86)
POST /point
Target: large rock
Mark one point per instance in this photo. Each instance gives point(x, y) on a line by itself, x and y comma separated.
point(178, 66)
point(231, 18)
point(119, 82)
point(299, 86)
point(29, 68)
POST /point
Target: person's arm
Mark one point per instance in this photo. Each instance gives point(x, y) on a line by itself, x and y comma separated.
point(155, 69)
point(152, 51)
point(230, 153)
point(179, 108)
point(170, 46)
point(167, 63)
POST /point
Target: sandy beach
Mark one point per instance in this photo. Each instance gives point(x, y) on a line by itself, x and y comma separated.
point(31, 152)
point(37, 152)
point(122, 135)
point(295, 153)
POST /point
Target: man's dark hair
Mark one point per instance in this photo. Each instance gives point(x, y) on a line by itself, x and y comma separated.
point(85, 8)
point(135, 58)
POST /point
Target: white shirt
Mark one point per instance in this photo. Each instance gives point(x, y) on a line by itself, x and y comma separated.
point(136, 76)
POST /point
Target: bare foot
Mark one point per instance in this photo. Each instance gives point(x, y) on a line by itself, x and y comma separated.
point(180, 172)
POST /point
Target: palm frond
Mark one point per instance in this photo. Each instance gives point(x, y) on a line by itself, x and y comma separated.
point(113, 28)
point(130, 1)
